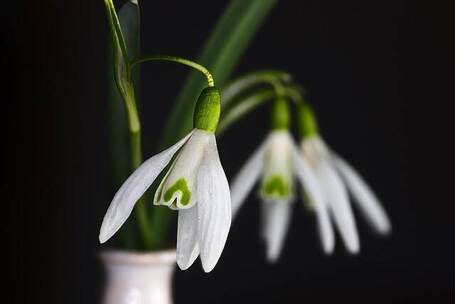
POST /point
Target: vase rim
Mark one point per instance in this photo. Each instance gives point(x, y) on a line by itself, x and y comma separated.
point(116, 256)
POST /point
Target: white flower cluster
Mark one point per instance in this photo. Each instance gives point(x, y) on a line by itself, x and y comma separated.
point(195, 184)
point(324, 177)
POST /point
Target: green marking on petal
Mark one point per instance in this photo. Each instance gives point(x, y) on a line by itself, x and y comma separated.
point(181, 186)
point(276, 185)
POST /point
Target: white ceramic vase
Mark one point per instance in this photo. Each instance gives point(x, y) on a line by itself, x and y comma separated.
point(138, 278)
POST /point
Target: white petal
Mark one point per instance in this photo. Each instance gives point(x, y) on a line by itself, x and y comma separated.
point(340, 208)
point(325, 230)
point(265, 208)
point(184, 168)
point(314, 148)
point(187, 237)
point(364, 197)
point(133, 188)
point(214, 207)
point(277, 217)
point(313, 190)
point(246, 178)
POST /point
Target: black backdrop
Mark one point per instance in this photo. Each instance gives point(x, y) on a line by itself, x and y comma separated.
point(374, 71)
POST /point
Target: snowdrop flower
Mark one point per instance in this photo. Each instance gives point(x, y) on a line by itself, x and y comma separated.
point(336, 176)
point(195, 185)
point(277, 162)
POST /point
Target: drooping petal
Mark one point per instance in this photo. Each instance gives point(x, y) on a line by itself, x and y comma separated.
point(314, 148)
point(365, 198)
point(214, 207)
point(187, 237)
point(325, 230)
point(178, 188)
point(133, 188)
point(276, 216)
point(313, 190)
point(337, 199)
point(264, 214)
point(246, 178)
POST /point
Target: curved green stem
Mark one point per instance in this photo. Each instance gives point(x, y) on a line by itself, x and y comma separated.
point(275, 78)
point(244, 107)
point(254, 100)
point(183, 61)
point(294, 93)
point(141, 207)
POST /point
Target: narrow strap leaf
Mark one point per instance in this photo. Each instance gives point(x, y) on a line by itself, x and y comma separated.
point(222, 51)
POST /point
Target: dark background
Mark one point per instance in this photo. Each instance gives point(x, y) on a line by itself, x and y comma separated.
point(379, 75)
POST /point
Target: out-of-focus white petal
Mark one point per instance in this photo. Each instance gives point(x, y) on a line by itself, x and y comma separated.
point(133, 188)
point(314, 148)
point(277, 181)
point(264, 211)
point(277, 217)
point(325, 230)
point(187, 237)
point(246, 178)
point(313, 190)
point(365, 198)
point(214, 207)
point(337, 199)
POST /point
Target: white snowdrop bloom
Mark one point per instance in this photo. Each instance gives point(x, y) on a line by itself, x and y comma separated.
point(336, 177)
point(195, 185)
point(277, 162)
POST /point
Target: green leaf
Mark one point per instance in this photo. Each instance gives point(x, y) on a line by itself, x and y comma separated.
point(222, 51)
point(120, 54)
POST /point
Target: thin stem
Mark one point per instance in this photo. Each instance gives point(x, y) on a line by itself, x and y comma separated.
point(194, 65)
point(294, 93)
point(276, 84)
point(134, 127)
point(254, 100)
point(275, 78)
point(243, 108)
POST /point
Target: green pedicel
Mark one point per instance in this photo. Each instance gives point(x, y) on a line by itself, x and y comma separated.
point(280, 114)
point(306, 121)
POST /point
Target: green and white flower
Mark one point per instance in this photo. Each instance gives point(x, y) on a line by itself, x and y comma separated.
point(195, 185)
point(277, 162)
point(336, 176)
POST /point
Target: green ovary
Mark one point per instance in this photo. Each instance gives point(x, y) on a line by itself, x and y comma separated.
point(275, 185)
point(182, 186)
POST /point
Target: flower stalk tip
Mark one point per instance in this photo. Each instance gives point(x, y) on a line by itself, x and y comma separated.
point(280, 114)
point(306, 121)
